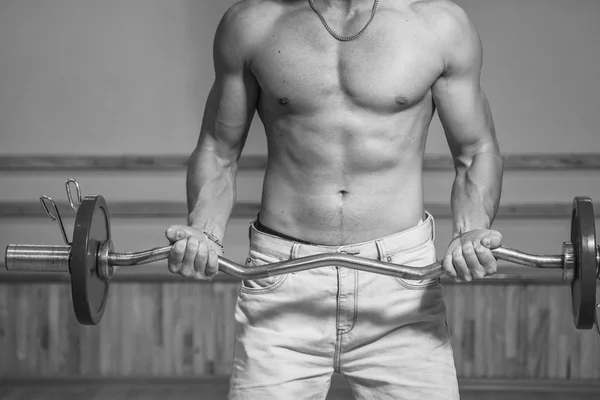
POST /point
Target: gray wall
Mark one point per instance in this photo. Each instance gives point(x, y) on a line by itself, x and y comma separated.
point(131, 77)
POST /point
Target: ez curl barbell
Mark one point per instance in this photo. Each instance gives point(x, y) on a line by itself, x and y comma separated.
point(90, 259)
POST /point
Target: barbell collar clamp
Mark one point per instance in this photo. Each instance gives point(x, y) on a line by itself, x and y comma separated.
point(568, 266)
point(105, 269)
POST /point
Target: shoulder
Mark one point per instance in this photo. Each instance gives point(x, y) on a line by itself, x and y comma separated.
point(245, 11)
point(244, 24)
point(452, 29)
point(248, 17)
point(446, 20)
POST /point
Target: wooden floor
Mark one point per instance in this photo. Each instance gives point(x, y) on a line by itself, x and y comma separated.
point(218, 390)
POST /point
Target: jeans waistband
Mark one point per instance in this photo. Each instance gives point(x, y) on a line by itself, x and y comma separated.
point(285, 249)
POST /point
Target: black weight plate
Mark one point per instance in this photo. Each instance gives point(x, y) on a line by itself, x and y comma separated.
point(583, 287)
point(89, 292)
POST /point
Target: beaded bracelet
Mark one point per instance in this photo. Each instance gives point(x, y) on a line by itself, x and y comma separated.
point(215, 240)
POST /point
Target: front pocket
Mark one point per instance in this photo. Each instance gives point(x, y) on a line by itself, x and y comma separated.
point(420, 256)
point(418, 285)
point(261, 285)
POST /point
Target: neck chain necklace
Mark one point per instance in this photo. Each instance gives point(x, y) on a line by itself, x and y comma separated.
point(340, 37)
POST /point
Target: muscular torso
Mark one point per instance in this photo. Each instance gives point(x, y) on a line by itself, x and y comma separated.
point(346, 123)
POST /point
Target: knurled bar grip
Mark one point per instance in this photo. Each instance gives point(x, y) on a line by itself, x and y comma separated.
point(56, 258)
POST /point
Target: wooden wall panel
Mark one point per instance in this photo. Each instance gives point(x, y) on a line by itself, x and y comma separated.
point(186, 329)
point(147, 330)
point(519, 331)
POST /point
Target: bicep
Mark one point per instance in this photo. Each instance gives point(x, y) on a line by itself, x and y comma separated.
point(229, 111)
point(462, 105)
point(231, 102)
point(465, 115)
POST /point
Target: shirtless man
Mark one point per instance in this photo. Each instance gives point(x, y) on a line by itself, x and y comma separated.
point(346, 121)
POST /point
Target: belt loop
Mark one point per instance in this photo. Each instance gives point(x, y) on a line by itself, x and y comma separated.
point(251, 223)
point(294, 251)
point(381, 250)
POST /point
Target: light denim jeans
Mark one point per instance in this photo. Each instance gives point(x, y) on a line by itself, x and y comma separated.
point(388, 336)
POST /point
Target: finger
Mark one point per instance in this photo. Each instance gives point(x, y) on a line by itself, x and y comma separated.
point(200, 261)
point(449, 267)
point(486, 259)
point(176, 256)
point(175, 233)
point(493, 240)
point(187, 265)
point(212, 263)
point(461, 265)
point(468, 252)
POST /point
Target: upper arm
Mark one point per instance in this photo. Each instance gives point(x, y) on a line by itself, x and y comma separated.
point(231, 102)
point(462, 105)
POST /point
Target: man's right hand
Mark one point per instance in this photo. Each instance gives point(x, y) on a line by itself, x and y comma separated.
point(193, 254)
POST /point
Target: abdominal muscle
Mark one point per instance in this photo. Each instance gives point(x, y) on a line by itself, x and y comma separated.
point(336, 185)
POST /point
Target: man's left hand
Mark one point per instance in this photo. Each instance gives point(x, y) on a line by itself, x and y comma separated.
point(469, 256)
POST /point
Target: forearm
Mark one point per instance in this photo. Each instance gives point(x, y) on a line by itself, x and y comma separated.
point(476, 191)
point(210, 190)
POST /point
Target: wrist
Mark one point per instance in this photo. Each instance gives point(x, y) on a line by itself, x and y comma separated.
point(215, 240)
point(471, 222)
point(211, 231)
point(209, 226)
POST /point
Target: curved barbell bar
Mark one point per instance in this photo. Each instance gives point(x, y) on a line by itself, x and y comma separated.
point(430, 271)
